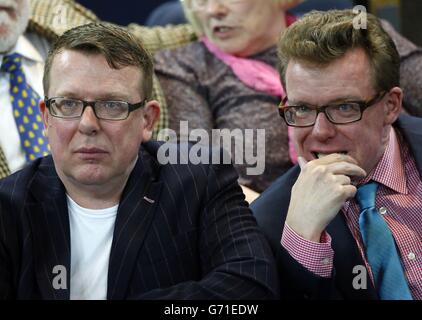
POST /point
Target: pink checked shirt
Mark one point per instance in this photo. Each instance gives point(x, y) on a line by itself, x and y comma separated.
point(399, 200)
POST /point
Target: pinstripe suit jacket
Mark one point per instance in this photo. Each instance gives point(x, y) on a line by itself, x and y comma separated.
point(196, 240)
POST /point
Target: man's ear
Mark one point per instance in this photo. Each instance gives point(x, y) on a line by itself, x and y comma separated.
point(150, 117)
point(44, 114)
point(393, 105)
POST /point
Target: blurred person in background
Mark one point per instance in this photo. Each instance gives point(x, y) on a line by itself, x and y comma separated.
point(228, 78)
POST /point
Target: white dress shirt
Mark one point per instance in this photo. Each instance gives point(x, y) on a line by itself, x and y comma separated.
point(34, 50)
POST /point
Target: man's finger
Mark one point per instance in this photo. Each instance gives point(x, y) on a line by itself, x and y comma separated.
point(335, 157)
point(347, 168)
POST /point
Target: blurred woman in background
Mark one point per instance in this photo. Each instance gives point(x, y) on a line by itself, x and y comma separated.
point(228, 78)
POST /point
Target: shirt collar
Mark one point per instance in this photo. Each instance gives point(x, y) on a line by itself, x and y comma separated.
point(26, 49)
point(390, 169)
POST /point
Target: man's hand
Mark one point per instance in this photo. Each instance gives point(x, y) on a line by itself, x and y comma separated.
point(319, 193)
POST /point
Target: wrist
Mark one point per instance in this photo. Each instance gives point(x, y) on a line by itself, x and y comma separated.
point(306, 230)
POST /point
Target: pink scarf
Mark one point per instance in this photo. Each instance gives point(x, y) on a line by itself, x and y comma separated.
point(255, 74)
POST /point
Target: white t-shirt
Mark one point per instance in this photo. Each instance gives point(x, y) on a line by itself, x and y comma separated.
point(91, 235)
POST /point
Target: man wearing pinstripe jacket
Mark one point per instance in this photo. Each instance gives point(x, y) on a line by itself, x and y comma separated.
point(102, 218)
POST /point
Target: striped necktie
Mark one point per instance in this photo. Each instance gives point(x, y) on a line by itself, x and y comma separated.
point(380, 248)
point(25, 109)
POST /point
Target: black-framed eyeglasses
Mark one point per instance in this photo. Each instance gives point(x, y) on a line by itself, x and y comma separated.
point(339, 113)
point(68, 108)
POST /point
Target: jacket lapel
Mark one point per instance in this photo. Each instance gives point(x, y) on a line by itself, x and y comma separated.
point(410, 128)
point(49, 222)
point(134, 217)
point(346, 258)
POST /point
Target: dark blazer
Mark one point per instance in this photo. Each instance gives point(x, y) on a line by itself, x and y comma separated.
point(297, 282)
point(181, 232)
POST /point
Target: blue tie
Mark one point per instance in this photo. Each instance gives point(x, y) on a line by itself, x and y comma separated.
point(25, 109)
point(380, 248)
